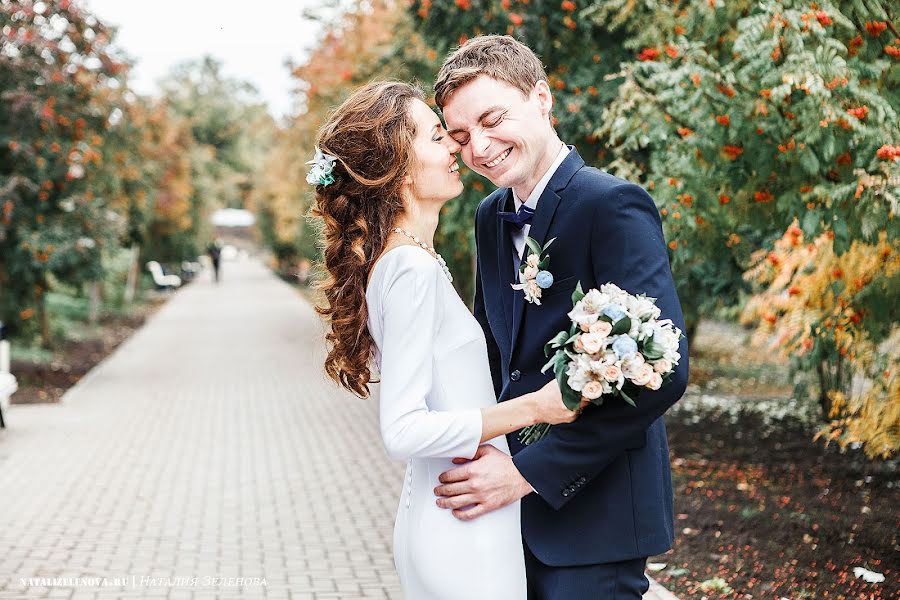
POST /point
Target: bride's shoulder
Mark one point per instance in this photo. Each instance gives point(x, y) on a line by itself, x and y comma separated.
point(407, 265)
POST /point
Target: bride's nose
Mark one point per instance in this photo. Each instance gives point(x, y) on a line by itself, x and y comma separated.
point(453, 146)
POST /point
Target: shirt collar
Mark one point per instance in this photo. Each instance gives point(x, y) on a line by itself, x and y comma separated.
point(542, 183)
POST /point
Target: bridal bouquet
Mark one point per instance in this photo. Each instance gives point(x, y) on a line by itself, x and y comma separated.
point(616, 346)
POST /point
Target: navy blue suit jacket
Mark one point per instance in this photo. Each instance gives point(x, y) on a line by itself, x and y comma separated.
point(603, 482)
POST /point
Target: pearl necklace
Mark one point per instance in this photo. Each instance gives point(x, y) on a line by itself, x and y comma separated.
point(430, 249)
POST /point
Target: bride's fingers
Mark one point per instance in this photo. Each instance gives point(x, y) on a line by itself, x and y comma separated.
point(457, 501)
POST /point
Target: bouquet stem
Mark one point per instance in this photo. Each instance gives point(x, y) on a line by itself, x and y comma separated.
point(533, 433)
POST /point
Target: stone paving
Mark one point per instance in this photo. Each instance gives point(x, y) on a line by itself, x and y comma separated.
point(209, 445)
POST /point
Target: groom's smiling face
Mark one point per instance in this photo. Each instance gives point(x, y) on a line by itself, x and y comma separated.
point(504, 134)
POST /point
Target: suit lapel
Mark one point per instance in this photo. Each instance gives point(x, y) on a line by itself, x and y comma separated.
point(505, 262)
point(546, 208)
point(540, 225)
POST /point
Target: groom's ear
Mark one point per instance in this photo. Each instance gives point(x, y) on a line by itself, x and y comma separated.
point(544, 96)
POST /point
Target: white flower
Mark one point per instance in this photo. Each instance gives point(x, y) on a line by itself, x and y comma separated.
point(529, 272)
point(611, 289)
point(578, 372)
point(530, 290)
point(646, 330)
point(582, 316)
point(533, 261)
point(594, 302)
point(631, 365)
point(641, 307)
point(320, 172)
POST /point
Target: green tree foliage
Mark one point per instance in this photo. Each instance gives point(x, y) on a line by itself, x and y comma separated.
point(88, 167)
point(57, 76)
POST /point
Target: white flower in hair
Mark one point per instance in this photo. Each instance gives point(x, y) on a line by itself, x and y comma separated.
point(320, 171)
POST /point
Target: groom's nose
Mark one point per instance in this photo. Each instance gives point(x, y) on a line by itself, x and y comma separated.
point(479, 143)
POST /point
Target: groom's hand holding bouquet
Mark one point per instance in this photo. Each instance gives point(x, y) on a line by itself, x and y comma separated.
point(615, 347)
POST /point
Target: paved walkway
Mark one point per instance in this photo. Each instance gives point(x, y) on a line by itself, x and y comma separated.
point(209, 445)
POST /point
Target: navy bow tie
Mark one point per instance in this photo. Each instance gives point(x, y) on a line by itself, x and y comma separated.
point(519, 218)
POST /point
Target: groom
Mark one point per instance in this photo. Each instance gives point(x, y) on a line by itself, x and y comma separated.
point(597, 493)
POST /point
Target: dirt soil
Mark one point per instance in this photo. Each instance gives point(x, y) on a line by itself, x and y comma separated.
point(761, 511)
point(47, 382)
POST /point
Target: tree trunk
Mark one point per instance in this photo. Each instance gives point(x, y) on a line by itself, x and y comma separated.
point(43, 319)
point(133, 272)
point(824, 400)
point(691, 321)
point(94, 303)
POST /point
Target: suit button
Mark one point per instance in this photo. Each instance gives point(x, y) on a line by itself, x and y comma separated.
point(515, 375)
point(582, 480)
point(566, 492)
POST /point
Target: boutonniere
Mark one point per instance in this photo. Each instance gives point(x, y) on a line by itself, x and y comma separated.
point(533, 273)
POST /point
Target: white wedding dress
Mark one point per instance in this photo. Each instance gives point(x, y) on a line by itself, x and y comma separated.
point(435, 378)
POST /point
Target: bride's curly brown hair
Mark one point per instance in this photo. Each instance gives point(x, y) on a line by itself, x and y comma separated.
point(371, 135)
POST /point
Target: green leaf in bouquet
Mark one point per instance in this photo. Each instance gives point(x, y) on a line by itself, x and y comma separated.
point(626, 397)
point(570, 397)
point(550, 363)
point(621, 326)
point(558, 340)
point(544, 264)
point(652, 353)
point(652, 350)
point(572, 337)
point(577, 295)
point(557, 361)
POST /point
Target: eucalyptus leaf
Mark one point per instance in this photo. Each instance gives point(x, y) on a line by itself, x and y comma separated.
point(621, 326)
point(577, 295)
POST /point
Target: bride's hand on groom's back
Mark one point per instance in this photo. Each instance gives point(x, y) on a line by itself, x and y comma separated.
point(550, 406)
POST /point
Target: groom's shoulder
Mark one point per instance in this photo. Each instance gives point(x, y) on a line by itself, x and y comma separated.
point(489, 204)
point(594, 181)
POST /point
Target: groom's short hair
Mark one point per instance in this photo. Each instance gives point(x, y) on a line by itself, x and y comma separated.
point(500, 57)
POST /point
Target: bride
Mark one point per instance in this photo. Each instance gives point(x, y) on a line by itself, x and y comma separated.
point(384, 167)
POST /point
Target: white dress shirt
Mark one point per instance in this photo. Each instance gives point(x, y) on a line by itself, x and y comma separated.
point(518, 235)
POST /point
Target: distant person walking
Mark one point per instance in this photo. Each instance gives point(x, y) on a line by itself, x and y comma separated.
point(215, 254)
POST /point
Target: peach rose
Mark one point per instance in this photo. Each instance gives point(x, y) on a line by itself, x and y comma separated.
point(662, 366)
point(592, 390)
point(579, 347)
point(612, 373)
point(642, 375)
point(592, 343)
point(601, 328)
point(655, 381)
